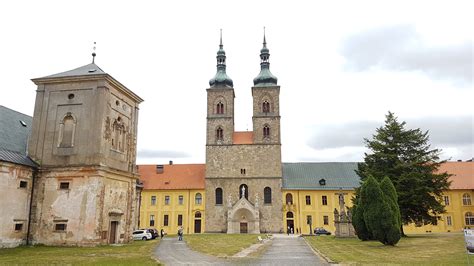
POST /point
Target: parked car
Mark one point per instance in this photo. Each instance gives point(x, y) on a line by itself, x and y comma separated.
point(141, 235)
point(321, 231)
point(154, 233)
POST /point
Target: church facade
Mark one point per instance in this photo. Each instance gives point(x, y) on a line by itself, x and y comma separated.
point(243, 169)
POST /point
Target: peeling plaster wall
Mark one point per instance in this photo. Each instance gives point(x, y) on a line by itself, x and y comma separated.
point(14, 203)
point(96, 196)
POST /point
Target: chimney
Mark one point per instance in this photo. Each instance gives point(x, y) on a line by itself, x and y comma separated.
point(171, 162)
point(159, 168)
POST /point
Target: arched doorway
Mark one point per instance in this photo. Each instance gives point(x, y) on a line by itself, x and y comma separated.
point(290, 222)
point(197, 222)
point(244, 220)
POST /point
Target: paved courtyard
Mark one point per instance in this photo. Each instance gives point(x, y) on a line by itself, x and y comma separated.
point(283, 250)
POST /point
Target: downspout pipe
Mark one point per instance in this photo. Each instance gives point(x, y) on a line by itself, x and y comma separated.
point(33, 179)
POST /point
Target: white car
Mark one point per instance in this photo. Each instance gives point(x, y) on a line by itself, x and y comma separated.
point(141, 235)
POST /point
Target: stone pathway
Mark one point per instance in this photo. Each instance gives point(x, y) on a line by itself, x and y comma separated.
point(283, 250)
point(290, 250)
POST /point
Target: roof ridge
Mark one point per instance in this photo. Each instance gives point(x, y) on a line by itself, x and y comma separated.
point(15, 111)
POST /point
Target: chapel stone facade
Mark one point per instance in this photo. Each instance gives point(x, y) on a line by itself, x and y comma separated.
point(243, 169)
point(84, 140)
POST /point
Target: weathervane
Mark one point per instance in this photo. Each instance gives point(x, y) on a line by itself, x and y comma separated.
point(93, 53)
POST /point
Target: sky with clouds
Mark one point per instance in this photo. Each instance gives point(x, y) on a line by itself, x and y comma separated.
point(341, 67)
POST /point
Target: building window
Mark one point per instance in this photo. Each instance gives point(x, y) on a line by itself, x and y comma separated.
point(63, 185)
point(220, 108)
point(67, 129)
point(446, 200)
point(167, 200)
point(152, 220)
point(289, 215)
point(243, 191)
point(469, 218)
point(308, 200)
point(60, 227)
point(449, 221)
point(180, 199)
point(266, 107)
point(325, 200)
point(267, 195)
point(466, 199)
point(18, 226)
point(289, 199)
point(325, 220)
point(180, 219)
point(153, 200)
point(266, 132)
point(218, 196)
point(165, 220)
point(309, 219)
point(219, 134)
point(23, 184)
point(198, 199)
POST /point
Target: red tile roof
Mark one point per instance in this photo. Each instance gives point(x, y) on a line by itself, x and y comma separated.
point(176, 176)
point(462, 174)
point(244, 137)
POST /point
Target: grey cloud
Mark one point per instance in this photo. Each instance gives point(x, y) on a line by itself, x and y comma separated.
point(443, 131)
point(162, 154)
point(401, 48)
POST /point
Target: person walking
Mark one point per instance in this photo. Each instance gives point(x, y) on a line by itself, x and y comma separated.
point(180, 233)
point(162, 233)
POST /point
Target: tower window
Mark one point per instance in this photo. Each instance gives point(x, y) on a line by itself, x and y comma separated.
point(243, 171)
point(220, 108)
point(67, 130)
point(267, 195)
point(266, 107)
point(266, 132)
point(218, 196)
point(219, 134)
point(23, 184)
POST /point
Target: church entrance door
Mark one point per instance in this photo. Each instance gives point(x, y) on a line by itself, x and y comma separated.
point(243, 228)
point(113, 232)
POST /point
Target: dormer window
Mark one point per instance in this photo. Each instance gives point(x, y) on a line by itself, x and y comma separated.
point(322, 182)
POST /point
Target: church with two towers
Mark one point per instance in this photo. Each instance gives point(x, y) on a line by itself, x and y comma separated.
point(243, 177)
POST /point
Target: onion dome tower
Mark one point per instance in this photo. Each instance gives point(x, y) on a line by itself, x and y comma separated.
point(265, 77)
point(221, 77)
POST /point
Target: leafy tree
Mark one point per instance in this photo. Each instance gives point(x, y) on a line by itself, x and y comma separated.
point(405, 156)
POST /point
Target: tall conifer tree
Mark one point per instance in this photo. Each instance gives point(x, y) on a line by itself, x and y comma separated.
point(405, 156)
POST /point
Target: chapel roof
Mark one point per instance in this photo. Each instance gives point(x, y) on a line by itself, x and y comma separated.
point(15, 128)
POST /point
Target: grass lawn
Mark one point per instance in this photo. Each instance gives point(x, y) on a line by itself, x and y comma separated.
point(432, 249)
point(136, 253)
point(220, 245)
